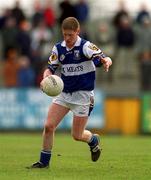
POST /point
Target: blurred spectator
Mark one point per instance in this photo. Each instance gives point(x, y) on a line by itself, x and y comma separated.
point(143, 13)
point(41, 38)
point(9, 34)
point(82, 11)
point(145, 71)
point(11, 67)
point(143, 35)
point(125, 34)
point(1, 73)
point(23, 38)
point(26, 75)
point(120, 14)
point(143, 50)
point(1, 48)
point(18, 13)
point(49, 16)
point(82, 14)
point(37, 16)
point(105, 38)
point(67, 10)
point(125, 39)
point(7, 14)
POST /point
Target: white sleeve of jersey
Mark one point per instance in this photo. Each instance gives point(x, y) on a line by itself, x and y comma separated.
point(91, 50)
point(53, 59)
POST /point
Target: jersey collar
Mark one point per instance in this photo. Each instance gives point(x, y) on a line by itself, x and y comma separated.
point(77, 43)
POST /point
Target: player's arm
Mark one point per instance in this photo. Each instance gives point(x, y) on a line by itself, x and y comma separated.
point(53, 63)
point(99, 58)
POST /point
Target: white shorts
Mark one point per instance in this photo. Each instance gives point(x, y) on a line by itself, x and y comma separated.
point(80, 102)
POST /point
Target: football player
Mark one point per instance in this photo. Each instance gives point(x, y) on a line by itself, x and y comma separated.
point(77, 59)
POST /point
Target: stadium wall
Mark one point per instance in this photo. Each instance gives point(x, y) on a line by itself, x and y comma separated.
point(26, 109)
point(122, 115)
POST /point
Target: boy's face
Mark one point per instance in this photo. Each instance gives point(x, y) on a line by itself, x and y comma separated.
point(70, 37)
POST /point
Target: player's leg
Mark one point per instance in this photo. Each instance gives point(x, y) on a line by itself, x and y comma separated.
point(81, 134)
point(55, 115)
point(78, 129)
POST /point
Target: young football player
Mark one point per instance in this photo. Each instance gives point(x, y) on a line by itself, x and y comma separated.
point(78, 59)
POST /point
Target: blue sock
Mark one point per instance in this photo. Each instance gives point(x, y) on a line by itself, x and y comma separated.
point(45, 157)
point(93, 141)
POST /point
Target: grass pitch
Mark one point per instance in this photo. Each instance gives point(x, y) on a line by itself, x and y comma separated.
point(123, 158)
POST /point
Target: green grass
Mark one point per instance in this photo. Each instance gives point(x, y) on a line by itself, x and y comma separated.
point(123, 158)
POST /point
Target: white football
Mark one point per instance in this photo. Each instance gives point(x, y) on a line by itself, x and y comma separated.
point(52, 85)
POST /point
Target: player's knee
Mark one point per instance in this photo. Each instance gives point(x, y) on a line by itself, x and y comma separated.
point(76, 137)
point(49, 128)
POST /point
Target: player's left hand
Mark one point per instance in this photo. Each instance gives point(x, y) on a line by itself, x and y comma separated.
point(107, 62)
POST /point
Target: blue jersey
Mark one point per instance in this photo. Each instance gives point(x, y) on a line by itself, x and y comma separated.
point(77, 67)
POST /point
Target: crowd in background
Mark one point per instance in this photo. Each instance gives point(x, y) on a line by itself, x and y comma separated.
point(26, 42)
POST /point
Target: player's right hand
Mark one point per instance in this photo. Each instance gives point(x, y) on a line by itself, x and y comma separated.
point(107, 62)
point(46, 73)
